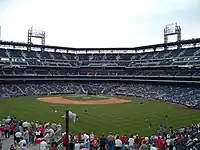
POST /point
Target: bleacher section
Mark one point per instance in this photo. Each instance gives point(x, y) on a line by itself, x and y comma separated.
point(189, 56)
point(160, 63)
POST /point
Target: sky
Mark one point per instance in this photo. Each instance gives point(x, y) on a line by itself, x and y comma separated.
point(98, 23)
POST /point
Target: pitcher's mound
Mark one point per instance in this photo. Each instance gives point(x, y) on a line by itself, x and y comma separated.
point(60, 100)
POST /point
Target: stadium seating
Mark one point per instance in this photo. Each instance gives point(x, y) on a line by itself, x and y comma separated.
point(44, 73)
point(188, 96)
point(158, 58)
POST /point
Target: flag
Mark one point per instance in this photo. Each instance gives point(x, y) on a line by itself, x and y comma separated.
point(72, 116)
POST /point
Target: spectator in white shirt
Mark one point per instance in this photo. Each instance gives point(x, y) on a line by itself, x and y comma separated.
point(153, 147)
point(131, 142)
point(168, 142)
point(118, 143)
point(77, 146)
point(87, 141)
point(24, 147)
point(91, 136)
point(22, 144)
point(43, 145)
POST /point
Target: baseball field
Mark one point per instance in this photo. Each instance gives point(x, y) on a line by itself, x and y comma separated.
point(117, 114)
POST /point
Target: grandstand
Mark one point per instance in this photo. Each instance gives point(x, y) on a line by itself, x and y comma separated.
point(166, 71)
point(172, 64)
point(175, 62)
point(175, 65)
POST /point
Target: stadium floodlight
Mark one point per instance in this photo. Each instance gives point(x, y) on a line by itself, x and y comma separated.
point(36, 33)
point(172, 29)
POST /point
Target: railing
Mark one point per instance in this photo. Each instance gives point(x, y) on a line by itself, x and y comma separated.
point(57, 136)
point(60, 145)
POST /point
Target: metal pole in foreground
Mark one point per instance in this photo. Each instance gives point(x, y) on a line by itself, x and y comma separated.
point(67, 129)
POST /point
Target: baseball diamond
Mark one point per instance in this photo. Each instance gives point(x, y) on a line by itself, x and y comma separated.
point(126, 117)
point(125, 98)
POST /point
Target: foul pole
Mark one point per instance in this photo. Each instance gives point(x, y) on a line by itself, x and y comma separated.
point(67, 129)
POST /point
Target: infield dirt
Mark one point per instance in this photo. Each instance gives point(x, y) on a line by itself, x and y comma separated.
point(60, 100)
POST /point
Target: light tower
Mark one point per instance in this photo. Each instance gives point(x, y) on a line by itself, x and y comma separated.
point(172, 29)
point(0, 32)
point(36, 33)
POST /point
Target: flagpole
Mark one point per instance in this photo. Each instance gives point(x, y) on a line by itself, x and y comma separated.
point(67, 129)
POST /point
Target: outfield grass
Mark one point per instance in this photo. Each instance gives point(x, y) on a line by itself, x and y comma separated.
point(121, 118)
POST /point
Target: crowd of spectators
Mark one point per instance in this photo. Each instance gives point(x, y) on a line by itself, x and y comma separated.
point(180, 94)
point(27, 134)
point(186, 138)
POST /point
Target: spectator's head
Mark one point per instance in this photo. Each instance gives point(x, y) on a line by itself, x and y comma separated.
point(144, 142)
point(54, 145)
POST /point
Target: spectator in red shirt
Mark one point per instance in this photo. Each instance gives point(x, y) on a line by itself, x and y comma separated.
point(162, 144)
point(79, 137)
point(137, 142)
point(123, 139)
point(180, 138)
point(95, 143)
point(54, 146)
point(158, 142)
point(12, 128)
point(64, 138)
point(42, 131)
point(2, 131)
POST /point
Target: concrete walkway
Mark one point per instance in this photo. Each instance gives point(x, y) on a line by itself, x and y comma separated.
point(7, 143)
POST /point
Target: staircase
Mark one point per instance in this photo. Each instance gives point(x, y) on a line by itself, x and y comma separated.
point(181, 53)
point(143, 56)
point(64, 56)
point(83, 89)
point(167, 54)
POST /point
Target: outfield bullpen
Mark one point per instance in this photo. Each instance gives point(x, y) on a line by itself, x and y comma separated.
point(129, 117)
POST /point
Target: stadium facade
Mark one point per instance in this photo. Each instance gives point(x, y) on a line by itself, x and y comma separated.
point(149, 63)
point(168, 66)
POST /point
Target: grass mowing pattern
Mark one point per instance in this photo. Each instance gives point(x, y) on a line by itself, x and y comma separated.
point(121, 118)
